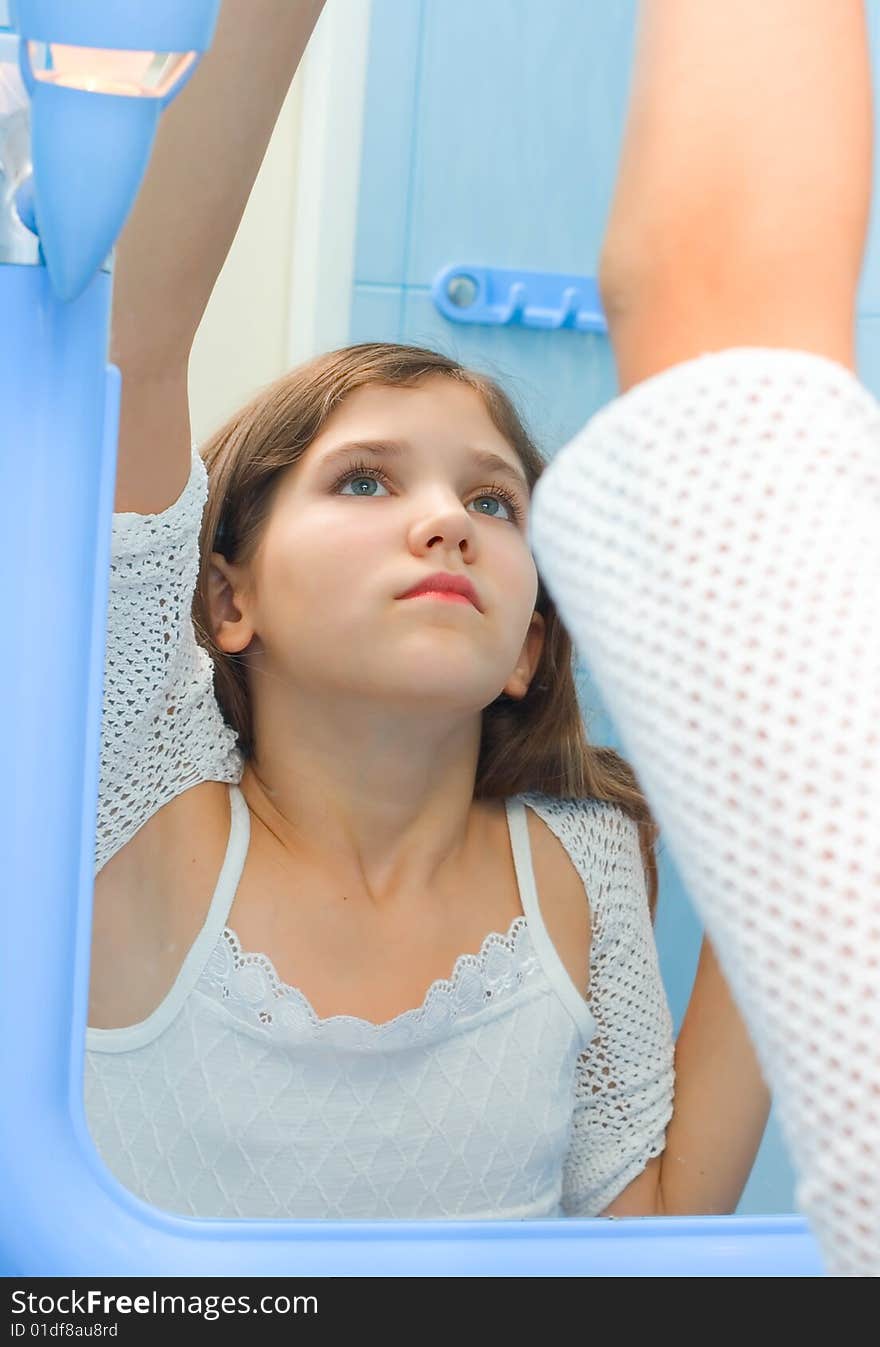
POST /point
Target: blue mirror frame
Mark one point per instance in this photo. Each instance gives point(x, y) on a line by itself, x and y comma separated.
point(63, 1213)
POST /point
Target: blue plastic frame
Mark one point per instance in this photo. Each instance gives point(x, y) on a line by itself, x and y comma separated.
point(63, 1213)
point(122, 25)
point(80, 201)
point(57, 477)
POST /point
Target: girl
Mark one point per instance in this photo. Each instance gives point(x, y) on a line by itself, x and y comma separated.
point(342, 764)
point(743, 496)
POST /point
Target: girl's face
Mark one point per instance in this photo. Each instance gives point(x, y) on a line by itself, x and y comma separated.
point(402, 484)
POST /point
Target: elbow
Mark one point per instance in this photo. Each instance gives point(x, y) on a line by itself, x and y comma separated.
point(616, 278)
point(690, 1202)
point(642, 259)
point(667, 302)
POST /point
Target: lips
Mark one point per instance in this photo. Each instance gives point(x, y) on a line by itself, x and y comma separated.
point(444, 583)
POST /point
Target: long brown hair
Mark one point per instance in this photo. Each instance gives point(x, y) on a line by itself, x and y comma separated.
point(536, 744)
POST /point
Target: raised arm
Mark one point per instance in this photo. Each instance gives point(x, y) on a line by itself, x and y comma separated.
point(208, 151)
point(741, 204)
point(161, 728)
point(712, 539)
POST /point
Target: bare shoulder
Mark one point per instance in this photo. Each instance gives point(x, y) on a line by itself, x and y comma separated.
point(150, 901)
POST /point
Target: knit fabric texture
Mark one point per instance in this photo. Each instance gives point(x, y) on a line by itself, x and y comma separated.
point(712, 539)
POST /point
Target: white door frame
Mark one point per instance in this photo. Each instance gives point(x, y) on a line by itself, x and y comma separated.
point(334, 77)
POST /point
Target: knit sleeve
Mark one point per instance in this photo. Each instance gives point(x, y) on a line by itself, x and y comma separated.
point(161, 728)
point(625, 1077)
point(712, 539)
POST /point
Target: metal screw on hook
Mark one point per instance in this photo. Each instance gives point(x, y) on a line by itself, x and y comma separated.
point(462, 291)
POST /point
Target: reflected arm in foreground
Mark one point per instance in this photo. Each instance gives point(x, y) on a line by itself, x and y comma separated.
point(732, 489)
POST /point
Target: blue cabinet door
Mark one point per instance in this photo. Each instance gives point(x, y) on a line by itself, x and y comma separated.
point(492, 131)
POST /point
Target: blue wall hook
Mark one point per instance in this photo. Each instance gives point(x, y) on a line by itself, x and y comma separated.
point(496, 295)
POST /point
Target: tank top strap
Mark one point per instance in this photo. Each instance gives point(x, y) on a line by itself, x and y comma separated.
point(230, 872)
point(137, 1035)
point(554, 969)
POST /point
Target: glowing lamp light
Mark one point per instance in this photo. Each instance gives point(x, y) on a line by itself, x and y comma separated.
point(138, 74)
point(98, 73)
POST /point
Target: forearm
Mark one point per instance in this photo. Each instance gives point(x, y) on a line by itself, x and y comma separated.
point(208, 151)
point(743, 191)
point(721, 1103)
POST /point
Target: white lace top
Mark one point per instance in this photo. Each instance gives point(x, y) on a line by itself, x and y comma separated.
point(506, 1094)
point(712, 539)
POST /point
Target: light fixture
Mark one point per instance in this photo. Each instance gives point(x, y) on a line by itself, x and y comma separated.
point(98, 73)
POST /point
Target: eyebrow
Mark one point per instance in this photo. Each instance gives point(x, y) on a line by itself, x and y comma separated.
point(481, 458)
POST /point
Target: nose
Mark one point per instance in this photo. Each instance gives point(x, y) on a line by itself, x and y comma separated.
point(443, 526)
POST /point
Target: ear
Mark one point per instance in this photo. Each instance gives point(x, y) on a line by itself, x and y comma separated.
point(520, 680)
point(231, 627)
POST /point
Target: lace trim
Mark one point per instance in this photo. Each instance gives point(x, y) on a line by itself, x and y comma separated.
point(249, 986)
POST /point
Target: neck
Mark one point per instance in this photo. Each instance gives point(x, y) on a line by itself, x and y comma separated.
point(381, 800)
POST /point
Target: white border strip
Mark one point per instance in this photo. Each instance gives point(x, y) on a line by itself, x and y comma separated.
point(334, 77)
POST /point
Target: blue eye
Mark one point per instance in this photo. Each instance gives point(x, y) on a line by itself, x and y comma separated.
point(358, 481)
point(363, 480)
point(493, 500)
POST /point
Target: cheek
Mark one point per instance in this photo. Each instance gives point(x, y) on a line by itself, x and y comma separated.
point(316, 562)
point(515, 583)
point(515, 564)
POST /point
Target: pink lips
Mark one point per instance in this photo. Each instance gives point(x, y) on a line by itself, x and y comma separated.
point(443, 585)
